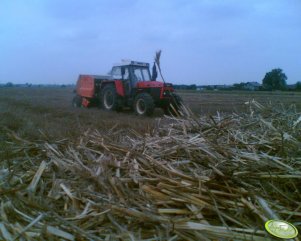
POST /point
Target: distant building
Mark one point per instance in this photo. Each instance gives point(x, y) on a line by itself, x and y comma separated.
point(291, 87)
point(251, 86)
point(222, 87)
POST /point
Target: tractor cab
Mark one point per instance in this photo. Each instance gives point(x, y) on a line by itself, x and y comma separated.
point(128, 69)
point(131, 72)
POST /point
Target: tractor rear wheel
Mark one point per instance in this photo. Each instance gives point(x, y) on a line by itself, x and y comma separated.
point(109, 98)
point(77, 101)
point(144, 104)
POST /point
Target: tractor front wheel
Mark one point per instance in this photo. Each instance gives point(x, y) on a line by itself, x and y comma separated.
point(144, 104)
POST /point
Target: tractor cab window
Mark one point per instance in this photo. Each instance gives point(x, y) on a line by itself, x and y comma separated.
point(125, 73)
point(140, 74)
point(145, 73)
point(116, 73)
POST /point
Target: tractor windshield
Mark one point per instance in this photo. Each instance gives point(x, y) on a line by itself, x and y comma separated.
point(142, 74)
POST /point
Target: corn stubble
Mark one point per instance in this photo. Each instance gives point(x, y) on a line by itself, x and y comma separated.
point(193, 178)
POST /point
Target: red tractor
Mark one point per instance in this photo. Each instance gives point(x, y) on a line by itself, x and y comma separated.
point(128, 85)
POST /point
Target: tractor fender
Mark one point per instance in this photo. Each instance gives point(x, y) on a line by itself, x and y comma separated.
point(118, 86)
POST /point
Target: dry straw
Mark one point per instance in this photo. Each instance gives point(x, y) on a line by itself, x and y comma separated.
point(205, 178)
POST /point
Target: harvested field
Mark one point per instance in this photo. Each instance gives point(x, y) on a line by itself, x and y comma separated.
point(119, 177)
point(28, 110)
point(208, 102)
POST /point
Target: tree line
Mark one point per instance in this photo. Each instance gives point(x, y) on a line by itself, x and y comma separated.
point(273, 80)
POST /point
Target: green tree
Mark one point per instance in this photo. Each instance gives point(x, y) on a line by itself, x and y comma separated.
point(274, 80)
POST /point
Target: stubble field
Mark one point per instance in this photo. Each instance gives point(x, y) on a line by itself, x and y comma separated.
point(85, 174)
point(38, 112)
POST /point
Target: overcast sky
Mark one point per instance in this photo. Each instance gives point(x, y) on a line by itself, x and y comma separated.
point(203, 41)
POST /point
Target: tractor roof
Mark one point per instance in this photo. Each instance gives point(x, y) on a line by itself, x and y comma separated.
point(131, 62)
